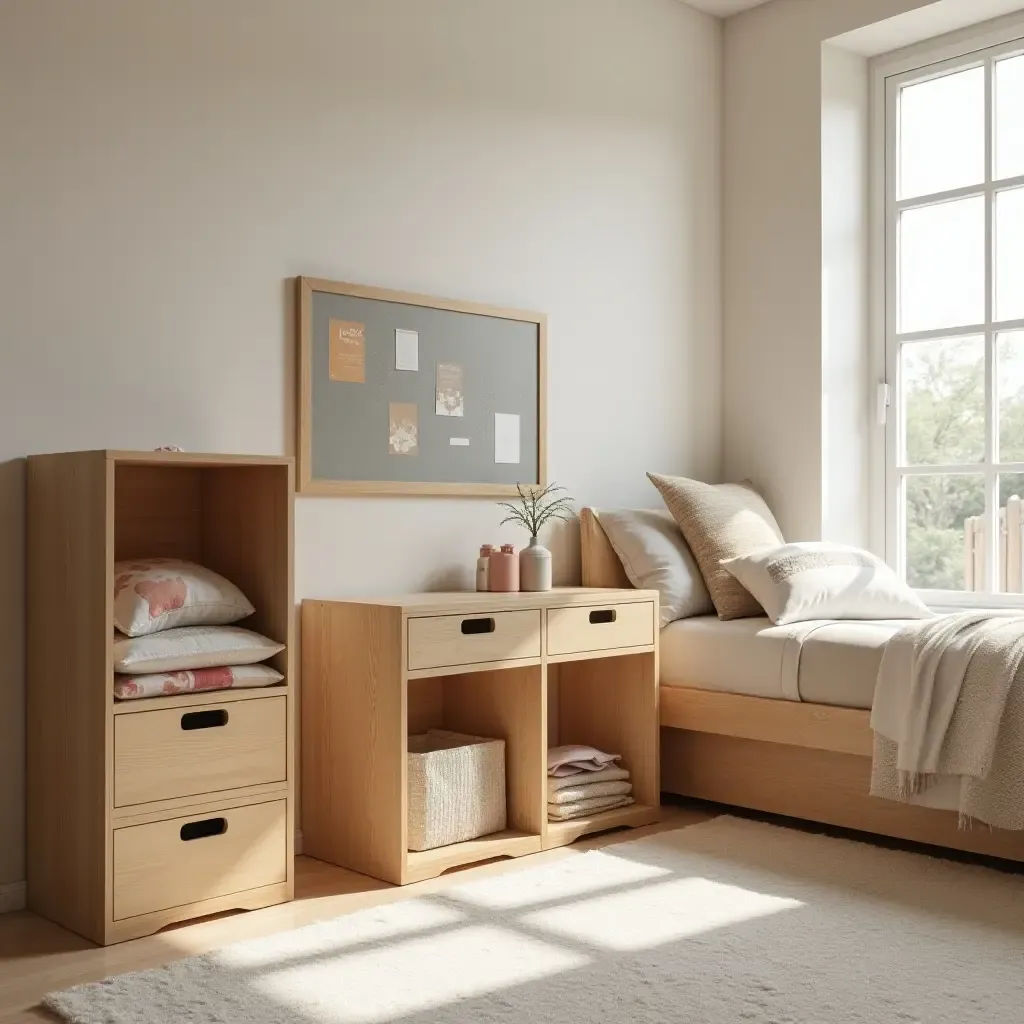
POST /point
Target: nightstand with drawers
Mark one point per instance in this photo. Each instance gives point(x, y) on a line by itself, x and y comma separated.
point(573, 665)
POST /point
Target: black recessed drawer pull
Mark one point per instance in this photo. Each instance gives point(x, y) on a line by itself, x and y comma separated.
point(602, 615)
point(204, 719)
point(471, 626)
point(204, 829)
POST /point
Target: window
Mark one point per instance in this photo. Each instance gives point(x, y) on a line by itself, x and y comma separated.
point(954, 324)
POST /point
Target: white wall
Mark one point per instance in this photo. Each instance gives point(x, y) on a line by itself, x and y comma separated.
point(166, 168)
point(785, 421)
point(845, 343)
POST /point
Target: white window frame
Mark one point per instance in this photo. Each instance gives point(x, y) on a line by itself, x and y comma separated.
point(889, 74)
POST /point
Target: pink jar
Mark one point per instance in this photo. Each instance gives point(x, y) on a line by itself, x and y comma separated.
point(504, 574)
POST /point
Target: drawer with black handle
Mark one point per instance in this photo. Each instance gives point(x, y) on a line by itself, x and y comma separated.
point(208, 748)
point(600, 627)
point(165, 864)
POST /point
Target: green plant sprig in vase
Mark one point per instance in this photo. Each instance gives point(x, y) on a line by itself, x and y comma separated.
point(537, 506)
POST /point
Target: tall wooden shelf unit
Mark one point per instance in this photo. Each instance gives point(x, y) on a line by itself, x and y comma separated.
point(136, 820)
point(573, 665)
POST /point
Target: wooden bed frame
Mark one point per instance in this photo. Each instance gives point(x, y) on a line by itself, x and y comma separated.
point(803, 760)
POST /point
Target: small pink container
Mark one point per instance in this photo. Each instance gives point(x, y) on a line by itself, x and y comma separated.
point(504, 575)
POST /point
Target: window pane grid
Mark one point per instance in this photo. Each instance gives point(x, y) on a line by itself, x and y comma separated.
point(941, 500)
point(982, 187)
point(999, 326)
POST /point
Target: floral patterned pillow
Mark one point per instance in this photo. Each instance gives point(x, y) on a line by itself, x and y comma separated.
point(151, 594)
point(164, 684)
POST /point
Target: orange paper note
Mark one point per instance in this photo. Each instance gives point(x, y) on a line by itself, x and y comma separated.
point(348, 351)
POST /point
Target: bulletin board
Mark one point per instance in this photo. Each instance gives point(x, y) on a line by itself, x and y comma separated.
point(409, 394)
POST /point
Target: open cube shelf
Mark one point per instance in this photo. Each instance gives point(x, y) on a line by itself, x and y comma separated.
point(232, 518)
point(115, 787)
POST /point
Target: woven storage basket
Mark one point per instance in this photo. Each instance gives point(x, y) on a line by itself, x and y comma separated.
point(456, 788)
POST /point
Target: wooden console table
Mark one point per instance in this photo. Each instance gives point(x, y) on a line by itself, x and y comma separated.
point(575, 665)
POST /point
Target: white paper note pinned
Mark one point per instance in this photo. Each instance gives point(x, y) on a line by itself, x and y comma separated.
point(407, 350)
point(506, 438)
point(459, 442)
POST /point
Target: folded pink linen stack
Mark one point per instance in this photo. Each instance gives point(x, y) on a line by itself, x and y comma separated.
point(583, 780)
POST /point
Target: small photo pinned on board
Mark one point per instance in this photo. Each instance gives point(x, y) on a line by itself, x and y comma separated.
point(449, 390)
point(403, 429)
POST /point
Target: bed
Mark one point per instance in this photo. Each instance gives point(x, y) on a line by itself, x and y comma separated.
point(776, 718)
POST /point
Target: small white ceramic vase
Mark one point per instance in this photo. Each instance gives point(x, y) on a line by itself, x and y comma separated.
point(534, 567)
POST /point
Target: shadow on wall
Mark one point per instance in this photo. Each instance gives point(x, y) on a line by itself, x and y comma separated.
point(12, 666)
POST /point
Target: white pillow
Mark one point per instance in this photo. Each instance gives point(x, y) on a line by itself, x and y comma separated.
point(175, 650)
point(655, 556)
point(223, 677)
point(151, 594)
point(817, 580)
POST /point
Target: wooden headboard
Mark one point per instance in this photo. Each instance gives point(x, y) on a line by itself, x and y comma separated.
point(601, 566)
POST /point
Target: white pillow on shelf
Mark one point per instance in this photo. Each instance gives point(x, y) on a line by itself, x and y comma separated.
point(152, 594)
point(191, 647)
point(818, 580)
point(655, 556)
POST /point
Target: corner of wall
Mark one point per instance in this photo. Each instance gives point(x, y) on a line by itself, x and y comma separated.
point(12, 897)
point(845, 338)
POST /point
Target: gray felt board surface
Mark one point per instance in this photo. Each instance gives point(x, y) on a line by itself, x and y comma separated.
point(499, 360)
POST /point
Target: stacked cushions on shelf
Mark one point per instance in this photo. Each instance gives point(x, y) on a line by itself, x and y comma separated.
point(173, 631)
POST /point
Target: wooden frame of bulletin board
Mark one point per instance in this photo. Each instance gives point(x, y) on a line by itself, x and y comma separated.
point(386, 380)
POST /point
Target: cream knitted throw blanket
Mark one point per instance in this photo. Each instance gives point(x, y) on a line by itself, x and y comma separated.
point(949, 708)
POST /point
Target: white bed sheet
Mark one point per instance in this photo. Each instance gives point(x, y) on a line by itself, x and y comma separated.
point(823, 662)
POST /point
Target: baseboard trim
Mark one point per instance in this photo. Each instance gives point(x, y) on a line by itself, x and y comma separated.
point(12, 897)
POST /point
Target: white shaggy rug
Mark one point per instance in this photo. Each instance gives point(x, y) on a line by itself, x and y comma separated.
point(728, 922)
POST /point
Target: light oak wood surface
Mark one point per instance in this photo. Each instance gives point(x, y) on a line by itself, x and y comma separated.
point(70, 582)
point(561, 833)
point(181, 701)
point(601, 567)
point(577, 630)
point(818, 785)
point(86, 509)
point(439, 641)
point(353, 736)
point(819, 726)
point(155, 868)
point(202, 804)
point(363, 694)
point(430, 863)
point(157, 758)
point(476, 603)
point(158, 512)
point(507, 704)
point(610, 704)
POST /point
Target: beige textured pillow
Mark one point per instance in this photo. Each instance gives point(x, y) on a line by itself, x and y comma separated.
point(721, 521)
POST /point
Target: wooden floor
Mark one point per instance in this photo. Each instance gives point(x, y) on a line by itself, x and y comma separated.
point(37, 957)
